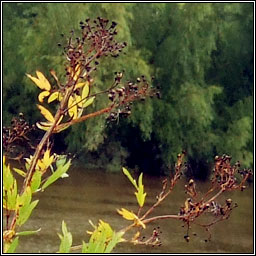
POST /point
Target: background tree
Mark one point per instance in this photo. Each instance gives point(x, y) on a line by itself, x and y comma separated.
point(200, 54)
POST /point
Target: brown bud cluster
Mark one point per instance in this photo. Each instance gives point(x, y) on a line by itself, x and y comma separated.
point(97, 38)
point(224, 173)
point(123, 95)
point(16, 134)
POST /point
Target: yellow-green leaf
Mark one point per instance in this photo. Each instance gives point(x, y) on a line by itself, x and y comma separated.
point(79, 85)
point(43, 125)
point(63, 127)
point(28, 232)
point(57, 174)
point(24, 198)
point(20, 172)
point(8, 178)
point(129, 176)
point(36, 180)
point(53, 97)
point(77, 72)
point(86, 90)
point(41, 81)
point(44, 82)
point(12, 247)
point(25, 212)
point(78, 100)
point(72, 107)
point(47, 159)
point(88, 102)
point(66, 239)
point(127, 214)
point(11, 197)
point(116, 238)
point(42, 95)
point(140, 197)
point(46, 113)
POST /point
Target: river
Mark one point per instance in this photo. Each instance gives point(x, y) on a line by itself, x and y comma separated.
point(93, 195)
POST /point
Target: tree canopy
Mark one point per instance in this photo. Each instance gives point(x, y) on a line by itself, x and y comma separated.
point(201, 55)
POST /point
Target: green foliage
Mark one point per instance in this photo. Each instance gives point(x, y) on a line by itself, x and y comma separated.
point(61, 169)
point(27, 233)
point(12, 247)
point(103, 239)
point(140, 195)
point(201, 55)
point(66, 239)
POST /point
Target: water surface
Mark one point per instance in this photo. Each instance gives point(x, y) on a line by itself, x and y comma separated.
point(96, 195)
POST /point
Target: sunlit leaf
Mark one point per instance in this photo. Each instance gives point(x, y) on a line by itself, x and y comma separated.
point(85, 91)
point(43, 125)
point(47, 159)
point(136, 236)
point(42, 95)
point(46, 113)
point(41, 81)
point(80, 85)
point(72, 107)
point(27, 233)
point(78, 101)
point(127, 214)
point(77, 72)
point(139, 223)
point(133, 181)
point(53, 97)
point(140, 197)
point(45, 83)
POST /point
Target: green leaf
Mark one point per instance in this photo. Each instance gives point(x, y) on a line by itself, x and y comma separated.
point(11, 196)
point(140, 197)
point(99, 238)
point(66, 239)
point(36, 181)
point(88, 102)
point(7, 177)
point(20, 172)
point(140, 180)
point(61, 169)
point(85, 91)
point(117, 238)
point(13, 245)
point(25, 198)
point(25, 211)
point(61, 160)
point(84, 247)
point(27, 233)
point(133, 181)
